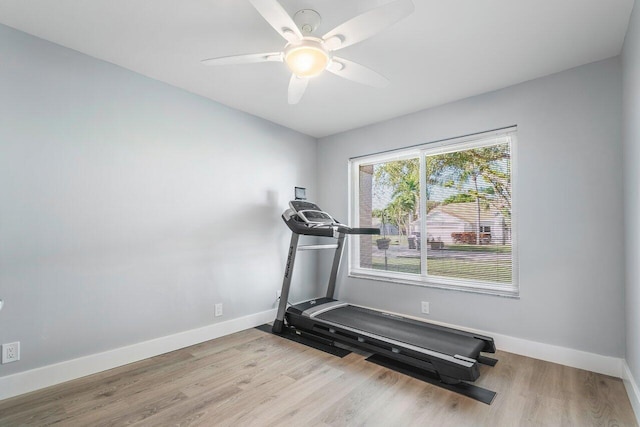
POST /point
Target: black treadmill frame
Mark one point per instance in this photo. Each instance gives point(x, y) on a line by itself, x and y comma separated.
point(451, 370)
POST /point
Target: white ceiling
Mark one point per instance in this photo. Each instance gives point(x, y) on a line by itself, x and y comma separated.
point(446, 50)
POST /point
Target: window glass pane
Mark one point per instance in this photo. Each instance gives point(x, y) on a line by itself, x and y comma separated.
point(454, 232)
point(389, 199)
point(468, 217)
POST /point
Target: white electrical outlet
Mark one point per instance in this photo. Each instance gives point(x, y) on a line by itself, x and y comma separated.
point(219, 309)
point(425, 307)
point(11, 352)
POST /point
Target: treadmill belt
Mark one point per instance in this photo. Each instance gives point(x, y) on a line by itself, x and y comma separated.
point(408, 331)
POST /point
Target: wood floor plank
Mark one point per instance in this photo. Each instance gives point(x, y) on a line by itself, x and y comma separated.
point(353, 371)
point(257, 379)
point(129, 388)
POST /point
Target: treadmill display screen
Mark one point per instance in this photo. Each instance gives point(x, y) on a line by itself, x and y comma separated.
point(300, 193)
point(317, 216)
point(301, 205)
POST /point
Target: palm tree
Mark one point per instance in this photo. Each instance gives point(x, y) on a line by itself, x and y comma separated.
point(407, 198)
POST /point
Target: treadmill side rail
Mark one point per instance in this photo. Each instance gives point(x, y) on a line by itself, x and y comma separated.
point(323, 308)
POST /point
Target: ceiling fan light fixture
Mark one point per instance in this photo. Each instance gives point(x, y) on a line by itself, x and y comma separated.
point(307, 58)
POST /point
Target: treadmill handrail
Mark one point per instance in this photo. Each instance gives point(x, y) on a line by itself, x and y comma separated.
point(316, 247)
point(324, 230)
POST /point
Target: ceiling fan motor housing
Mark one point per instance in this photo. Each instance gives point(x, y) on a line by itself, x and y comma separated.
point(307, 20)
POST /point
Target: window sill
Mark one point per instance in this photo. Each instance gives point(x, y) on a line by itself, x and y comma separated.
point(438, 282)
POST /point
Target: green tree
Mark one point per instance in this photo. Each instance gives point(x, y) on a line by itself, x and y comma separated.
point(393, 174)
point(402, 179)
point(407, 198)
point(384, 217)
point(496, 171)
point(467, 170)
point(459, 198)
point(464, 167)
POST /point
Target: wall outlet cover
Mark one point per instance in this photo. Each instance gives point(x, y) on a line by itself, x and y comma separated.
point(11, 352)
point(425, 307)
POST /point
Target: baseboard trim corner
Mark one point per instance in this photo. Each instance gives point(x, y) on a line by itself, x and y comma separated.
point(632, 390)
point(46, 376)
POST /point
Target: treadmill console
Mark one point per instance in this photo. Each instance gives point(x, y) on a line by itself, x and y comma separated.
point(301, 205)
point(307, 218)
point(311, 213)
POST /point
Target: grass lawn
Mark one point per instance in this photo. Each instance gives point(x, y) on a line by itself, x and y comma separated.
point(448, 267)
point(463, 267)
point(402, 265)
point(469, 269)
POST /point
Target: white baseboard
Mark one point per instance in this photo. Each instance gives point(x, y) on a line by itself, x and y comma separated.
point(24, 382)
point(35, 379)
point(632, 390)
point(593, 362)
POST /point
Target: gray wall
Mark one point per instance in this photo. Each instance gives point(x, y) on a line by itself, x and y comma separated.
point(569, 207)
point(631, 73)
point(128, 208)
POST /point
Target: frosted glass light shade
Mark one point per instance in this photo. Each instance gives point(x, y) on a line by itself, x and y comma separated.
point(306, 60)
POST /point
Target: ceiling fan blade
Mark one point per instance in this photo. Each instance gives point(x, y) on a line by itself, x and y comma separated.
point(367, 24)
point(297, 87)
point(278, 18)
point(357, 73)
point(244, 59)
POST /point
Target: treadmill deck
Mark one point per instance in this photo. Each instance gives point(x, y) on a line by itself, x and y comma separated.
point(420, 334)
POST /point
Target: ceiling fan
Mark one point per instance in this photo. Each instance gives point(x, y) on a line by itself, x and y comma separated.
point(308, 56)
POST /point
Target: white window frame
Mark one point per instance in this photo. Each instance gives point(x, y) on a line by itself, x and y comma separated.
point(421, 151)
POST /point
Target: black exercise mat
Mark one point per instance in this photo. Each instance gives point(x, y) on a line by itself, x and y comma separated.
point(474, 392)
point(303, 339)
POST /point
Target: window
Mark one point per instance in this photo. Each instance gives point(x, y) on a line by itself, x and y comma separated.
point(445, 214)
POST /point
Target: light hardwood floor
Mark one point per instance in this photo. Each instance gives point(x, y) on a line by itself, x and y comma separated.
point(254, 378)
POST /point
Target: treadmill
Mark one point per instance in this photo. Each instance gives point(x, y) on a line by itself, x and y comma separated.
point(443, 356)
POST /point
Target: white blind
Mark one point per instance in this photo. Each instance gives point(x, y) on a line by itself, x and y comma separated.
point(469, 214)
